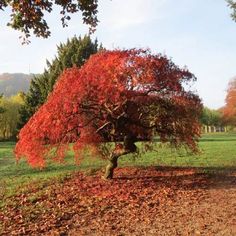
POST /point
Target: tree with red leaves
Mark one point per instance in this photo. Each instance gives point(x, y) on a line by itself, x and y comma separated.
point(122, 96)
point(229, 111)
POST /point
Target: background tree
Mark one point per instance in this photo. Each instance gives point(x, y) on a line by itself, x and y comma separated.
point(211, 117)
point(29, 16)
point(229, 111)
point(72, 53)
point(1, 108)
point(232, 5)
point(120, 96)
point(10, 117)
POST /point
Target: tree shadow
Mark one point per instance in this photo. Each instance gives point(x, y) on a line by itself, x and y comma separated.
point(187, 178)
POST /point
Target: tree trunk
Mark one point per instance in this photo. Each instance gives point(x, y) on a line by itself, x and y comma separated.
point(111, 166)
point(120, 150)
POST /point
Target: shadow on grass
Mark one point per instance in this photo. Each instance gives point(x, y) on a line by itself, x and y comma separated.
point(187, 178)
point(217, 139)
point(216, 170)
point(18, 171)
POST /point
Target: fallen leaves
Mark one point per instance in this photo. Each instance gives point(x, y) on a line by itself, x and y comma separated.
point(139, 201)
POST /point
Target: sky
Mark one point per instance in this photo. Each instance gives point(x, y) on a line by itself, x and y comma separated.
point(199, 34)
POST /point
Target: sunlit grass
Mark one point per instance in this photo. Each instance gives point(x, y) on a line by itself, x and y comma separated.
point(15, 175)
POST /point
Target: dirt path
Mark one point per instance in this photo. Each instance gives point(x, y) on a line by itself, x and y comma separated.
point(151, 201)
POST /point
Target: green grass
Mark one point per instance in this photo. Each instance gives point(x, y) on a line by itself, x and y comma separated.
point(217, 151)
point(15, 176)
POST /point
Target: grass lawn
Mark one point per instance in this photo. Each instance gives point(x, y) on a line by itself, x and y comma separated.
point(218, 151)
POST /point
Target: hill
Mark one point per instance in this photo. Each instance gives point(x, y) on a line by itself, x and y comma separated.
point(11, 84)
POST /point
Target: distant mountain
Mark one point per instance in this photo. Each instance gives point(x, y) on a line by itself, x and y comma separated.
point(11, 84)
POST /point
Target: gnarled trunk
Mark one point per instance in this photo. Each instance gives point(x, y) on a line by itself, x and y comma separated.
point(111, 166)
point(119, 150)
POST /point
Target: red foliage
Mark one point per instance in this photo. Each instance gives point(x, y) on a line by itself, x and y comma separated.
point(115, 94)
point(229, 111)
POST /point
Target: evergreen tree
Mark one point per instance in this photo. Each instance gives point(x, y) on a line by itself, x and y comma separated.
point(74, 52)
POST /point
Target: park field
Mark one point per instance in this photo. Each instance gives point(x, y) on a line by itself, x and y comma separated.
point(217, 153)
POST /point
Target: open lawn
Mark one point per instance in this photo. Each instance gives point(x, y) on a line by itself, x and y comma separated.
point(217, 152)
point(159, 193)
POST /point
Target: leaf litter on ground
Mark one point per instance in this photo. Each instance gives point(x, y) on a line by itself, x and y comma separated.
point(138, 201)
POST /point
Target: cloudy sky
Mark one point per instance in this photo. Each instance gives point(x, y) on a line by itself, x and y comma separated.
point(198, 34)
